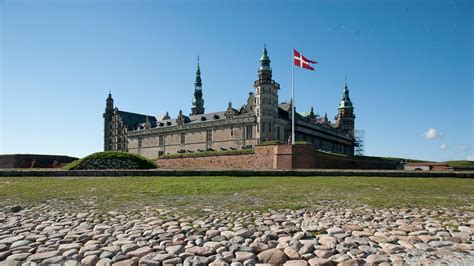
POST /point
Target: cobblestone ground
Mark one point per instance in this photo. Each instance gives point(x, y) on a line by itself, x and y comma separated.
point(328, 234)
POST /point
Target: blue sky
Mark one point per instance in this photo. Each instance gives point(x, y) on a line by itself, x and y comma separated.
point(409, 66)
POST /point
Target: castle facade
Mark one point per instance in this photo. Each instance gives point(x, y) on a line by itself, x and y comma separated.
point(261, 119)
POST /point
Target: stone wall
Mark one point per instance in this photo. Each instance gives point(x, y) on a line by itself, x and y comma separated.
point(227, 135)
point(261, 159)
point(34, 161)
point(237, 172)
point(307, 157)
point(277, 157)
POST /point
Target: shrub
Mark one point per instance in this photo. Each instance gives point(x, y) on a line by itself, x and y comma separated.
point(206, 153)
point(111, 160)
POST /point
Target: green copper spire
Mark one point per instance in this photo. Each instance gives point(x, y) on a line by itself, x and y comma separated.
point(198, 82)
point(198, 101)
point(346, 101)
point(264, 65)
point(265, 54)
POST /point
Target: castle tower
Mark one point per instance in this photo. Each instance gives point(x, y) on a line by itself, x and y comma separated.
point(198, 101)
point(266, 108)
point(345, 115)
point(108, 115)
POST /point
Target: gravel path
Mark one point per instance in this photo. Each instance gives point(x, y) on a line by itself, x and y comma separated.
point(329, 234)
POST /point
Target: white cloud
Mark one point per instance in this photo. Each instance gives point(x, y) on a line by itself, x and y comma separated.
point(470, 158)
point(464, 148)
point(444, 146)
point(432, 133)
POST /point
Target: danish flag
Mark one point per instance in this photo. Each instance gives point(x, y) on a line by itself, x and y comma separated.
point(301, 61)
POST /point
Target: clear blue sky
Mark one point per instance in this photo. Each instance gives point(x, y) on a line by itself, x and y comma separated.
point(409, 66)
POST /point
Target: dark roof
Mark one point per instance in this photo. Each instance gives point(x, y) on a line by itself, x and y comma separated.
point(133, 120)
point(194, 119)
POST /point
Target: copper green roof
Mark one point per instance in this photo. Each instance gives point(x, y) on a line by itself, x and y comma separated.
point(265, 55)
point(346, 101)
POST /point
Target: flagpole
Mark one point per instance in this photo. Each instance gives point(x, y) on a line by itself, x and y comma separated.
point(292, 98)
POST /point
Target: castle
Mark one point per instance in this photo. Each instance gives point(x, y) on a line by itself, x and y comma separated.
point(261, 119)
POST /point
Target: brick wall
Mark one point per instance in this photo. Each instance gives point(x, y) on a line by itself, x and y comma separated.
point(235, 172)
point(26, 160)
point(261, 159)
point(276, 157)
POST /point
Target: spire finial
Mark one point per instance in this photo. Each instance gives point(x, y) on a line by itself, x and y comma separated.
point(345, 82)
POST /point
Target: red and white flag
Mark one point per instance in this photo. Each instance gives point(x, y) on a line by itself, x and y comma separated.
point(301, 61)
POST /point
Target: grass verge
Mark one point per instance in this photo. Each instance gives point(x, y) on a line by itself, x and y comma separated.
point(241, 193)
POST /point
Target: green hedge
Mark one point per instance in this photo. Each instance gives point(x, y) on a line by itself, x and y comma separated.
point(271, 142)
point(109, 159)
point(206, 153)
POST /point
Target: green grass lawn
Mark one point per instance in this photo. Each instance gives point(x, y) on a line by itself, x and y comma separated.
point(241, 193)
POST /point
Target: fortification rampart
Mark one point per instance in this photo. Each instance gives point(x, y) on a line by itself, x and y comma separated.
point(277, 157)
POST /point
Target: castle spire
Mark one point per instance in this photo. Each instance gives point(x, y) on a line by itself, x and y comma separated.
point(198, 82)
point(264, 59)
point(198, 101)
point(109, 107)
point(264, 69)
point(345, 115)
point(346, 101)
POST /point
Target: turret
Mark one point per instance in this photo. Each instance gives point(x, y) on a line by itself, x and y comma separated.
point(198, 101)
point(108, 123)
point(345, 116)
point(264, 69)
point(109, 104)
point(266, 108)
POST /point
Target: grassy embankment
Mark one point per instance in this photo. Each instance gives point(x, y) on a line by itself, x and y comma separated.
point(241, 193)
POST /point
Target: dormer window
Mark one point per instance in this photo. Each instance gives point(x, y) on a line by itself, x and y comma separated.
point(203, 118)
point(216, 117)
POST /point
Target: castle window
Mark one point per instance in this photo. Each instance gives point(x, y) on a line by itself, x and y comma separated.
point(161, 140)
point(209, 135)
point(183, 138)
point(161, 153)
point(278, 133)
point(248, 132)
point(139, 143)
point(232, 131)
